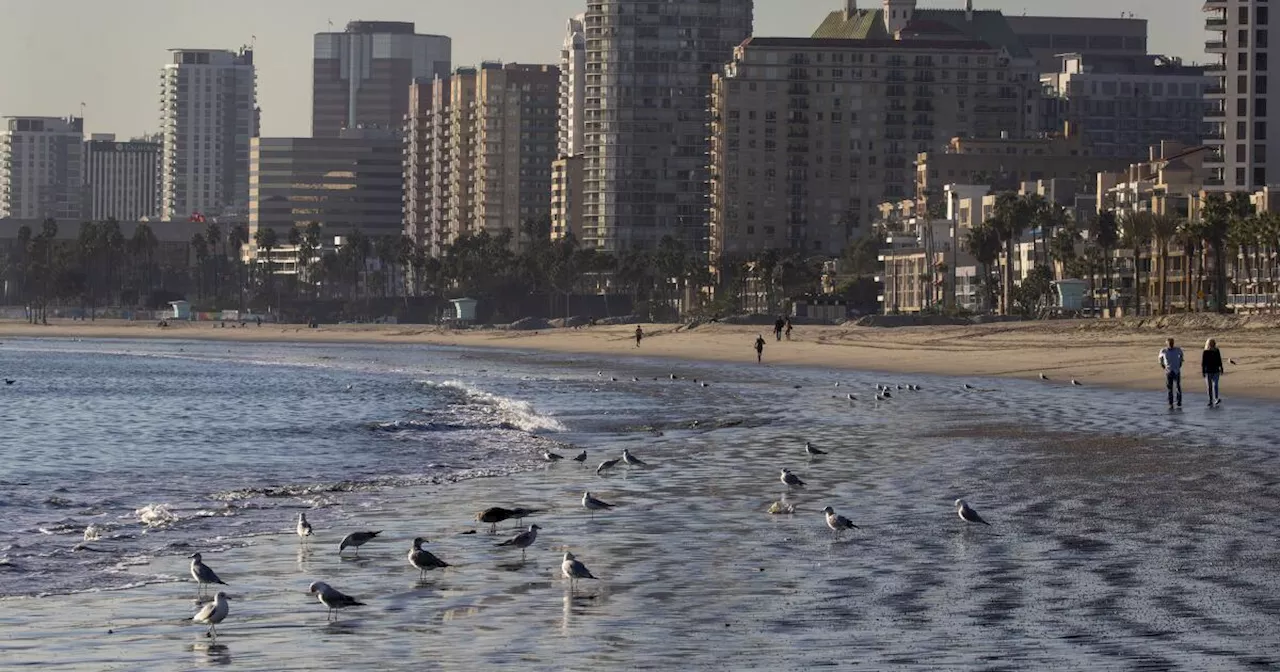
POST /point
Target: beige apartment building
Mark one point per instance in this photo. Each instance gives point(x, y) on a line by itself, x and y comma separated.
point(808, 135)
point(481, 147)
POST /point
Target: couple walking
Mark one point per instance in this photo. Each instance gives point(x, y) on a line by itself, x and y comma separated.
point(1171, 359)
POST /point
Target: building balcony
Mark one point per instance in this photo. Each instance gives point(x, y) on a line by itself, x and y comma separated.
point(1215, 91)
point(1215, 68)
point(1215, 46)
point(1215, 23)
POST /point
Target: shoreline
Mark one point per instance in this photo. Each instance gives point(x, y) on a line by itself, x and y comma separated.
point(1096, 353)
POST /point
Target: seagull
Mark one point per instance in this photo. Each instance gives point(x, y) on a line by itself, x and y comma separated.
point(881, 397)
point(887, 394)
point(496, 514)
point(202, 574)
point(350, 387)
point(1075, 382)
point(600, 373)
point(523, 540)
point(673, 376)
point(304, 528)
point(631, 460)
point(551, 457)
point(607, 464)
point(10, 381)
point(967, 386)
point(582, 457)
point(1043, 377)
point(424, 560)
point(967, 513)
point(791, 479)
point(810, 449)
point(213, 613)
point(1229, 360)
point(613, 379)
point(332, 598)
point(592, 504)
point(356, 540)
point(573, 569)
point(634, 379)
point(706, 384)
point(837, 522)
point(852, 398)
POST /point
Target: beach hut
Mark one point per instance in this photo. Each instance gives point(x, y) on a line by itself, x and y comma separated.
point(1070, 294)
point(464, 310)
point(181, 310)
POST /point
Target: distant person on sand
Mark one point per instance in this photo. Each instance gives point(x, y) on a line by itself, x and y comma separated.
point(788, 330)
point(778, 325)
point(639, 335)
point(1171, 362)
point(1211, 368)
point(759, 347)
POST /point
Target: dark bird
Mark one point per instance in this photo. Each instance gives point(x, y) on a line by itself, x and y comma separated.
point(631, 460)
point(582, 457)
point(551, 457)
point(791, 479)
point(10, 381)
point(496, 514)
point(1232, 361)
point(851, 397)
point(202, 574)
point(837, 522)
point(592, 504)
point(967, 513)
point(1044, 377)
point(523, 540)
point(424, 560)
point(1075, 382)
point(356, 540)
point(332, 598)
point(967, 386)
point(810, 449)
point(607, 464)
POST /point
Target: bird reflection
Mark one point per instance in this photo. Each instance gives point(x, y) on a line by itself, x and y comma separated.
point(217, 654)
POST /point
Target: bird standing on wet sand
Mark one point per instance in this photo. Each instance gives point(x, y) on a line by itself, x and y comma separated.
point(1075, 382)
point(592, 504)
point(356, 540)
point(332, 598)
point(630, 459)
point(582, 457)
point(1044, 377)
point(523, 540)
point(304, 528)
point(551, 457)
point(607, 464)
point(967, 513)
point(423, 559)
point(837, 522)
point(573, 569)
point(213, 613)
point(202, 574)
point(810, 449)
point(496, 514)
point(791, 479)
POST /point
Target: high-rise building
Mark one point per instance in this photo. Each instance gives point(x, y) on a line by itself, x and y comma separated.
point(123, 178)
point(649, 68)
point(1238, 116)
point(42, 168)
point(351, 182)
point(573, 88)
point(810, 135)
point(361, 77)
point(1121, 108)
point(209, 115)
point(1097, 39)
point(481, 147)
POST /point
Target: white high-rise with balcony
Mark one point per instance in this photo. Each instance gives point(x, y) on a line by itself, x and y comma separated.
point(573, 88)
point(208, 116)
point(1245, 131)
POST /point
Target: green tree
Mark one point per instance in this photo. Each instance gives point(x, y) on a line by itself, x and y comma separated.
point(1163, 230)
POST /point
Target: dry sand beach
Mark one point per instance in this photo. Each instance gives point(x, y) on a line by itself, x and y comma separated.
point(1095, 352)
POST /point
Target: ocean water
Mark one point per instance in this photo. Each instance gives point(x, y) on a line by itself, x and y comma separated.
point(1123, 536)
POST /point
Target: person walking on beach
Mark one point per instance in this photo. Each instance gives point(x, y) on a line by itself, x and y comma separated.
point(778, 326)
point(1171, 362)
point(639, 335)
point(1211, 368)
point(759, 347)
point(788, 328)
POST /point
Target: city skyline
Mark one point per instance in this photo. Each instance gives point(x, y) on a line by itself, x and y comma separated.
point(119, 87)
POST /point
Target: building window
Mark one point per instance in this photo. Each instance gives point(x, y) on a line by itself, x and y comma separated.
point(1242, 84)
point(1259, 130)
point(1259, 153)
point(1242, 107)
point(1262, 16)
point(1259, 107)
point(1239, 177)
point(1260, 85)
point(1261, 41)
point(1243, 16)
point(1259, 177)
point(1260, 62)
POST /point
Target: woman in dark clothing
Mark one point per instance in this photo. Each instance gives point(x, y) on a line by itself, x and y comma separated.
point(759, 348)
point(1211, 368)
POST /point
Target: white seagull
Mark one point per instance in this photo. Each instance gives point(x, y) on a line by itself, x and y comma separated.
point(1043, 377)
point(332, 598)
point(791, 479)
point(812, 450)
point(304, 528)
point(356, 540)
point(1075, 382)
point(551, 457)
point(592, 504)
point(523, 540)
point(837, 522)
point(423, 559)
point(967, 513)
point(202, 574)
point(630, 459)
point(213, 613)
point(573, 569)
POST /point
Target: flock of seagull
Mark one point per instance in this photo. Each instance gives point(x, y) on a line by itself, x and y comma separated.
point(572, 569)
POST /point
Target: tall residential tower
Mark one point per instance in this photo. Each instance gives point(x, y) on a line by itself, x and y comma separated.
point(361, 77)
point(209, 115)
point(1238, 117)
point(42, 168)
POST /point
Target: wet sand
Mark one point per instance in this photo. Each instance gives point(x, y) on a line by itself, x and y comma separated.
point(1119, 541)
point(1095, 352)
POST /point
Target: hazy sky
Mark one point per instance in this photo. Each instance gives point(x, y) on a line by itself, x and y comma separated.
point(108, 53)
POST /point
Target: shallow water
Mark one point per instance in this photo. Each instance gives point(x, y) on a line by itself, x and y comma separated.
point(1124, 536)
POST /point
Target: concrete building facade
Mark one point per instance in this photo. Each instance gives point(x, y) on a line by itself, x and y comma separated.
point(42, 168)
point(649, 68)
point(208, 116)
point(573, 88)
point(361, 77)
point(123, 178)
point(1243, 131)
point(1097, 39)
point(352, 182)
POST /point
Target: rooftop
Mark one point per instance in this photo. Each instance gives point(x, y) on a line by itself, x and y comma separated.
point(988, 26)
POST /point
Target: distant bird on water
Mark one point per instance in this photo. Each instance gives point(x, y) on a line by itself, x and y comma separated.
point(967, 386)
point(1075, 382)
point(1044, 377)
point(592, 504)
point(607, 464)
point(10, 381)
point(423, 559)
point(631, 460)
point(356, 540)
point(202, 574)
point(304, 528)
point(332, 598)
point(213, 613)
point(967, 513)
point(582, 457)
point(573, 569)
point(496, 514)
point(837, 522)
point(812, 450)
point(523, 540)
point(791, 479)
point(551, 457)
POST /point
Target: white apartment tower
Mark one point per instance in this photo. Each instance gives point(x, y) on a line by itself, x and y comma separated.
point(1243, 131)
point(209, 115)
point(649, 69)
point(573, 88)
point(123, 178)
point(42, 168)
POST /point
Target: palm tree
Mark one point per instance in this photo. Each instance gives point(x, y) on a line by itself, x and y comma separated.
point(237, 238)
point(983, 242)
point(1163, 230)
point(200, 248)
point(143, 248)
point(1136, 231)
point(213, 238)
point(267, 240)
point(1009, 220)
point(1190, 236)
